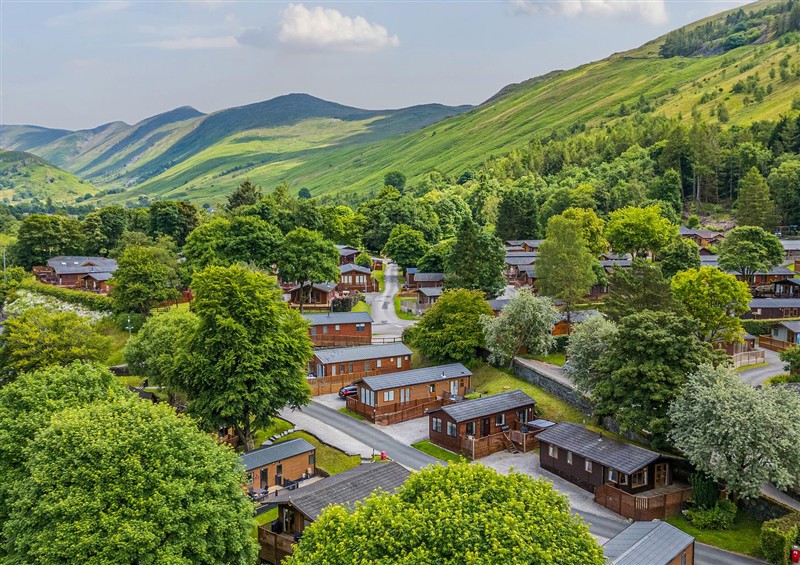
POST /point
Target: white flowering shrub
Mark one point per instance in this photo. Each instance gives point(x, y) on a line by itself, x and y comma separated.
point(25, 299)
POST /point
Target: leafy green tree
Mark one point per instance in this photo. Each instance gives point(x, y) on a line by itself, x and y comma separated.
point(341, 225)
point(390, 208)
point(715, 299)
point(395, 179)
point(451, 329)
point(247, 358)
point(129, 482)
point(680, 255)
point(668, 188)
point(791, 357)
point(783, 181)
point(26, 406)
point(435, 259)
point(478, 513)
point(639, 231)
point(104, 229)
point(304, 194)
point(42, 236)
point(246, 194)
point(175, 219)
point(305, 256)
point(475, 261)
point(738, 434)
point(204, 246)
point(642, 287)
point(591, 226)
point(564, 268)
point(252, 240)
point(526, 321)
point(754, 207)
point(589, 342)
point(37, 338)
point(405, 246)
point(151, 351)
point(517, 215)
point(145, 277)
point(749, 249)
point(364, 260)
point(643, 369)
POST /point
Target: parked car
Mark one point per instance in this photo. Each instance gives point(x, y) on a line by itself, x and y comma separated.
point(349, 390)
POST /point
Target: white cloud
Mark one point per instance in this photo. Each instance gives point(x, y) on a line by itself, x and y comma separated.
point(93, 12)
point(221, 42)
point(650, 11)
point(326, 29)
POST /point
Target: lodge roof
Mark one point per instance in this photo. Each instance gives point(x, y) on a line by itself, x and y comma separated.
point(646, 543)
point(77, 264)
point(273, 453)
point(486, 406)
point(775, 303)
point(322, 287)
point(332, 318)
point(346, 250)
point(705, 234)
point(346, 488)
point(353, 267)
point(607, 451)
point(360, 353)
point(428, 277)
point(431, 291)
point(416, 376)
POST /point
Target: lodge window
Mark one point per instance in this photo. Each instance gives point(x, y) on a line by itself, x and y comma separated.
point(588, 466)
point(360, 327)
point(312, 458)
point(470, 429)
point(378, 363)
point(405, 395)
point(279, 469)
point(552, 451)
point(437, 425)
point(336, 327)
point(351, 367)
point(431, 388)
point(324, 329)
point(341, 369)
point(388, 396)
point(623, 479)
point(639, 478)
point(569, 457)
point(451, 429)
point(313, 331)
point(367, 366)
point(500, 420)
point(612, 475)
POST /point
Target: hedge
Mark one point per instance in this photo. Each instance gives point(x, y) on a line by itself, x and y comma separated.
point(90, 300)
point(778, 536)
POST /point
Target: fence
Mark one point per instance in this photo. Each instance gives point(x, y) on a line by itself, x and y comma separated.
point(332, 383)
point(484, 446)
point(394, 413)
point(643, 507)
point(322, 340)
point(380, 340)
point(274, 547)
point(748, 358)
point(769, 342)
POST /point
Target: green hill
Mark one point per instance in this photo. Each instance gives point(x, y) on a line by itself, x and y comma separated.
point(24, 176)
point(737, 67)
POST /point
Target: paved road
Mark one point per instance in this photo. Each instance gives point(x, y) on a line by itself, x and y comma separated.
point(758, 375)
point(386, 323)
point(366, 434)
point(414, 459)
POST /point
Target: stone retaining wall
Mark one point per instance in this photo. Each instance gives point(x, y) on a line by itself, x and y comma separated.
point(569, 395)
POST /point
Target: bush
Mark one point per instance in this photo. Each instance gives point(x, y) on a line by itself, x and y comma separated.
point(90, 300)
point(757, 327)
point(136, 321)
point(344, 303)
point(720, 517)
point(693, 222)
point(705, 490)
point(778, 536)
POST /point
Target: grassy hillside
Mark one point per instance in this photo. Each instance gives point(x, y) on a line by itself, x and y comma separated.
point(24, 176)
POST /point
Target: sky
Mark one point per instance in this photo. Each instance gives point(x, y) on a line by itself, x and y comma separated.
point(77, 65)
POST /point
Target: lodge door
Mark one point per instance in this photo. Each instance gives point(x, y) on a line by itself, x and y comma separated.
point(454, 388)
point(485, 427)
point(661, 475)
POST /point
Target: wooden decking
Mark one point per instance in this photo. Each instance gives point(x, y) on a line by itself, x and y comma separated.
point(274, 547)
point(659, 503)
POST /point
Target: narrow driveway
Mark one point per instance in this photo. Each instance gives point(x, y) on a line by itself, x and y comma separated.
point(386, 322)
point(758, 375)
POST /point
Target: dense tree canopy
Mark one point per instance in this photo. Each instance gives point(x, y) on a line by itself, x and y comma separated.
point(454, 515)
point(589, 342)
point(680, 255)
point(247, 357)
point(246, 194)
point(129, 482)
point(43, 236)
point(525, 321)
point(145, 277)
point(639, 231)
point(405, 246)
point(517, 214)
point(475, 261)
point(451, 329)
point(242, 239)
point(304, 256)
point(754, 207)
point(642, 287)
point(37, 338)
point(435, 259)
point(738, 434)
point(749, 249)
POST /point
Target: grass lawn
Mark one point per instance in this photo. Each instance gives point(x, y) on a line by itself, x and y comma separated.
point(743, 538)
point(748, 367)
point(361, 307)
point(329, 459)
point(352, 414)
point(378, 276)
point(491, 380)
point(131, 381)
point(264, 518)
point(278, 426)
point(426, 446)
point(400, 314)
point(553, 358)
point(118, 337)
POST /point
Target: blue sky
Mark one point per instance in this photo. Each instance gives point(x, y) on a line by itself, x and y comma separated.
point(77, 65)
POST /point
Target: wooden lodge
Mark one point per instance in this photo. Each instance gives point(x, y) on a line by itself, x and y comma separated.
point(347, 254)
point(350, 363)
point(426, 280)
point(477, 428)
point(321, 294)
point(773, 308)
point(426, 298)
point(79, 272)
point(300, 507)
point(761, 278)
point(356, 278)
point(276, 466)
point(703, 238)
point(340, 329)
point(630, 480)
point(523, 245)
point(653, 543)
point(397, 397)
point(786, 288)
